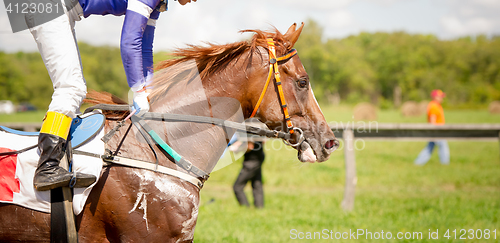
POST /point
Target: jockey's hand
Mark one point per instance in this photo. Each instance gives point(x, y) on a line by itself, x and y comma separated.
point(141, 103)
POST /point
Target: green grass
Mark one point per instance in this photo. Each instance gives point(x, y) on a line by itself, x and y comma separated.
point(392, 194)
point(29, 116)
point(345, 114)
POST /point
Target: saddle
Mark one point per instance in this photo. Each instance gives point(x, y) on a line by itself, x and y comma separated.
point(83, 128)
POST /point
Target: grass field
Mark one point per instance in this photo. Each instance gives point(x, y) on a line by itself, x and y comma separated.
point(29, 116)
point(392, 195)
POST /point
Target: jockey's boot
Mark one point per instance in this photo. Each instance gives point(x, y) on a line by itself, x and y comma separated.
point(52, 145)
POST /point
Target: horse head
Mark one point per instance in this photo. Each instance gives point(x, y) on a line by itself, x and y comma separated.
point(241, 71)
point(301, 103)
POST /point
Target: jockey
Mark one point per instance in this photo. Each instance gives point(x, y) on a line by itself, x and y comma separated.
point(57, 44)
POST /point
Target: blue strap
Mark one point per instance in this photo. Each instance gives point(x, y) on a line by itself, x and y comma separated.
point(10, 130)
point(164, 146)
point(178, 159)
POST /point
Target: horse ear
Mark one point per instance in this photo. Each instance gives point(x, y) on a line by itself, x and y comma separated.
point(293, 34)
point(290, 30)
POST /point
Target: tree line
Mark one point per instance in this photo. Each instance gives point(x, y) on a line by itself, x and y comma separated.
point(371, 66)
point(23, 77)
point(363, 67)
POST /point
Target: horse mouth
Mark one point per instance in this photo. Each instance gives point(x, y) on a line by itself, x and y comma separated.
point(306, 153)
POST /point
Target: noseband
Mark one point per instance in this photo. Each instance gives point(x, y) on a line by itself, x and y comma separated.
point(273, 69)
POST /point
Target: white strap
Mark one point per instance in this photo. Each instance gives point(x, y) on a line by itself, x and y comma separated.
point(139, 7)
point(152, 22)
point(161, 169)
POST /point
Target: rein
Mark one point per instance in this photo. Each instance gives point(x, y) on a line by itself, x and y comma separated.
point(167, 117)
point(149, 134)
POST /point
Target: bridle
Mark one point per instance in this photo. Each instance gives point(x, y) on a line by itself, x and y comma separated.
point(273, 69)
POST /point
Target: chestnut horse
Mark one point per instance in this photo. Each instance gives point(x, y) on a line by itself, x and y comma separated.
point(137, 205)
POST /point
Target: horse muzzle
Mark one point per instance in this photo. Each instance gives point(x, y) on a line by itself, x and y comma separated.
point(313, 151)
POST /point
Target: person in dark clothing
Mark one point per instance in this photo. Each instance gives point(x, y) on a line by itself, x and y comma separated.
point(251, 171)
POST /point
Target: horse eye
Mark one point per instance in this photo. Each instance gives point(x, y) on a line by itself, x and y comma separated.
point(302, 83)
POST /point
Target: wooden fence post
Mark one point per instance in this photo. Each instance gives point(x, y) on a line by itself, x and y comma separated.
point(350, 170)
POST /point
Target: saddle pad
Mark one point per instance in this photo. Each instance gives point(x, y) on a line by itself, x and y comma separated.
point(85, 128)
point(82, 129)
point(17, 172)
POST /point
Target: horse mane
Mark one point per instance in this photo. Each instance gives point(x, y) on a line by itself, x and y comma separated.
point(206, 60)
point(210, 59)
point(213, 57)
point(95, 98)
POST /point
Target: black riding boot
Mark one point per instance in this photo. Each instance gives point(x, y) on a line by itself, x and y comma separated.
point(49, 175)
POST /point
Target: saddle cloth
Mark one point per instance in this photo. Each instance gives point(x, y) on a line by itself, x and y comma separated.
point(17, 172)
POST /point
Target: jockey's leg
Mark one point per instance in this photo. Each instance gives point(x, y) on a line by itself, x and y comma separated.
point(57, 45)
point(59, 50)
point(52, 146)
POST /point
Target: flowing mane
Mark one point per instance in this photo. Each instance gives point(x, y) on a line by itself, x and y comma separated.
point(213, 58)
point(193, 60)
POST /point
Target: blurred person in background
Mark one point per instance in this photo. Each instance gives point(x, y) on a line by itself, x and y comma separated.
point(251, 171)
point(435, 116)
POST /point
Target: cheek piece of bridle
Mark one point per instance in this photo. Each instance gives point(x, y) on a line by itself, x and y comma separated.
point(273, 69)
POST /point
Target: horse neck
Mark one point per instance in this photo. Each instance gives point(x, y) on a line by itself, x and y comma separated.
point(220, 96)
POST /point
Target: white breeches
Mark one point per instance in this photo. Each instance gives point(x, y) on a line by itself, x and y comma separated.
point(57, 44)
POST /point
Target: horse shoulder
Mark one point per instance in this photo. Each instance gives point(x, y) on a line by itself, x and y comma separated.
point(134, 205)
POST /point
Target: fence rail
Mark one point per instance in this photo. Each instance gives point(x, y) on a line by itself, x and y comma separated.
point(388, 131)
point(421, 131)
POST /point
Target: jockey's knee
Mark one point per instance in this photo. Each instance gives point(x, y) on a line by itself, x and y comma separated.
point(67, 100)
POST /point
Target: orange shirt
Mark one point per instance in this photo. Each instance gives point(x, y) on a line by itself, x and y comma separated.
point(434, 108)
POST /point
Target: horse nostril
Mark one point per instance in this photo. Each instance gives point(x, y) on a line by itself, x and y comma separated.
point(332, 143)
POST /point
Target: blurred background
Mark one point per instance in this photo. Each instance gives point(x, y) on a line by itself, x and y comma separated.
point(368, 60)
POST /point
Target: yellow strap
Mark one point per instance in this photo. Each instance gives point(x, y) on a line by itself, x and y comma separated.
point(263, 92)
point(273, 66)
point(287, 56)
point(56, 124)
point(277, 77)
